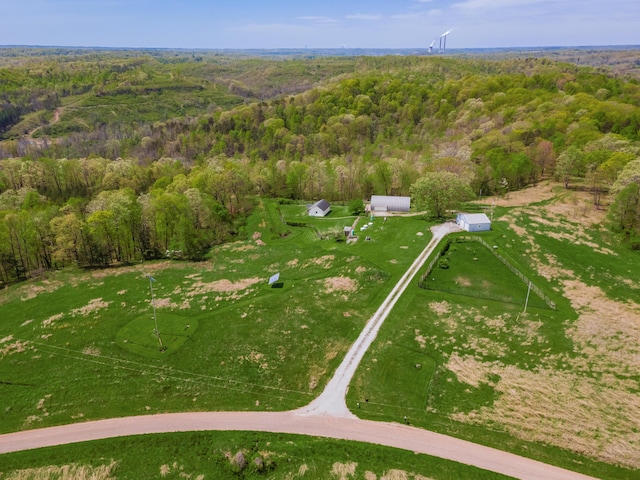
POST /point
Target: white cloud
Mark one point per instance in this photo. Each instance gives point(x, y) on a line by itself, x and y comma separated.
point(319, 20)
point(488, 4)
point(364, 16)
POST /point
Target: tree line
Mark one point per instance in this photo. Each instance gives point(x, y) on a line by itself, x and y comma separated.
point(97, 212)
point(122, 192)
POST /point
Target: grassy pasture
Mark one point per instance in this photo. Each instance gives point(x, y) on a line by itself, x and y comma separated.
point(544, 384)
point(215, 455)
point(64, 357)
point(468, 268)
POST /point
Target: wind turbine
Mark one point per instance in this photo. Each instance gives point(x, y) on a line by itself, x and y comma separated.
point(443, 41)
point(431, 46)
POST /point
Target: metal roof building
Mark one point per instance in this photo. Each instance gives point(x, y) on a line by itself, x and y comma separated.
point(473, 222)
point(319, 209)
point(386, 203)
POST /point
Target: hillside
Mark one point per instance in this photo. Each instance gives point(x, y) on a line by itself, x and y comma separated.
point(194, 168)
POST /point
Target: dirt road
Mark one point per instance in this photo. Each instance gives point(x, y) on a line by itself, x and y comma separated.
point(327, 416)
point(389, 434)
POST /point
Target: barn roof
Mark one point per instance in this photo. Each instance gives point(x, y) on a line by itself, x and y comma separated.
point(392, 203)
point(321, 204)
point(476, 218)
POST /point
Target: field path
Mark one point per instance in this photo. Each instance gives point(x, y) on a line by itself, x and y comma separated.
point(326, 416)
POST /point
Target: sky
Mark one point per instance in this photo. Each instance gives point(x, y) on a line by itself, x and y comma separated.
point(271, 24)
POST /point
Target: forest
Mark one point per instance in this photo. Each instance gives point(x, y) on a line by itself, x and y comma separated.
point(111, 157)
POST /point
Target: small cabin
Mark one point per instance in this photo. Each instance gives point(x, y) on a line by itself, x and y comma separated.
point(473, 222)
point(319, 209)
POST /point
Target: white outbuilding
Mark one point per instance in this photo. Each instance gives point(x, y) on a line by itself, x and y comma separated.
point(473, 222)
point(319, 209)
point(389, 203)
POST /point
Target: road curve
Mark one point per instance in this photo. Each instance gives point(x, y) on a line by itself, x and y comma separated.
point(381, 433)
point(326, 416)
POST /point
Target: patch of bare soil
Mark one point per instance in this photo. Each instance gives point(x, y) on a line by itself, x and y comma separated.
point(221, 286)
point(93, 306)
point(47, 322)
point(325, 261)
point(7, 348)
point(537, 193)
point(91, 351)
point(242, 248)
point(29, 291)
point(572, 232)
point(168, 303)
point(340, 284)
point(440, 307)
point(146, 269)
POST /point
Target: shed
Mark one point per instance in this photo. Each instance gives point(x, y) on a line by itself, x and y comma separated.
point(473, 222)
point(319, 209)
point(387, 203)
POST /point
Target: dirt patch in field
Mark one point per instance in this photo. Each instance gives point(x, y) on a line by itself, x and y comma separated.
point(28, 292)
point(326, 261)
point(440, 308)
point(340, 284)
point(168, 303)
point(221, 286)
point(92, 351)
point(93, 306)
point(538, 193)
point(243, 248)
point(146, 269)
point(463, 281)
point(47, 322)
point(66, 472)
point(578, 207)
point(7, 348)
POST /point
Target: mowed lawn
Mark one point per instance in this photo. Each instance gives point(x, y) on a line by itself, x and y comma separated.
point(81, 345)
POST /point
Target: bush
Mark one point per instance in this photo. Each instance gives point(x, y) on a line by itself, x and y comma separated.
point(356, 207)
point(443, 263)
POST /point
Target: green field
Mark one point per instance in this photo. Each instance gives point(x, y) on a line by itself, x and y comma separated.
point(219, 455)
point(81, 345)
point(235, 343)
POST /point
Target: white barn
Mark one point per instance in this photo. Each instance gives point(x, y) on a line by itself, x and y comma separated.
point(319, 209)
point(473, 222)
point(386, 203)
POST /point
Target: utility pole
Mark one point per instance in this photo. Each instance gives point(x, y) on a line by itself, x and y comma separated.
point(526, 302)
point(156, 332)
